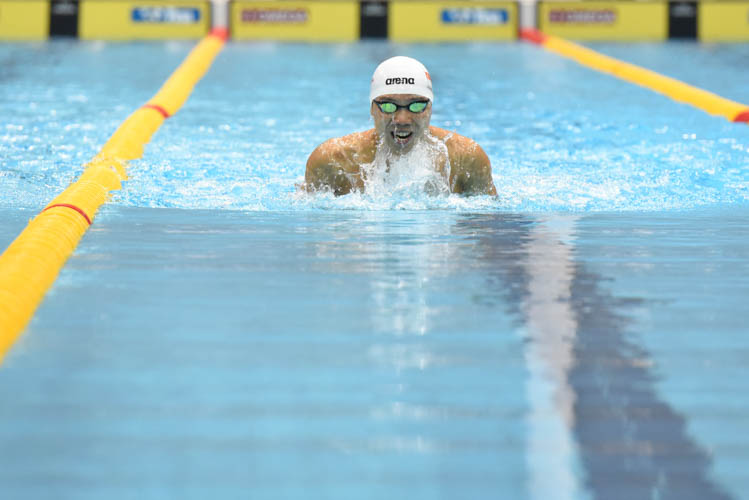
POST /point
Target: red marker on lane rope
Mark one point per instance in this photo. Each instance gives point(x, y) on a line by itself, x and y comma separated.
point(742, 117)
point(533, 35)
point(73, 207)
point(221, 33)
point(158, 108)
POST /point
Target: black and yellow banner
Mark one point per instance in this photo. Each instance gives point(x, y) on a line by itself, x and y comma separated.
point(398, 20)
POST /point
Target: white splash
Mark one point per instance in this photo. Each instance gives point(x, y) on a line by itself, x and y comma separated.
point(410, 175)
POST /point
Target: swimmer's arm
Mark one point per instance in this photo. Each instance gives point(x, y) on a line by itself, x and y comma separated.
point(325, 173)
point(474, 173)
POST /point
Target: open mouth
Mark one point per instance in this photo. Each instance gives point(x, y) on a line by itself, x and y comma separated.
point(401, 136)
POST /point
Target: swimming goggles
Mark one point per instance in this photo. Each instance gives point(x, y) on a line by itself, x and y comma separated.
point(390, 107)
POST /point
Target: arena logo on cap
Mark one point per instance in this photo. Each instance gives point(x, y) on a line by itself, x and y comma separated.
point(582, 16)
point(475, 16)
point(402, 80)
point(285, 16)
point(166, 15)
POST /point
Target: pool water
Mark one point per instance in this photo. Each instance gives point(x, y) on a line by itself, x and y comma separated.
point(217, 333)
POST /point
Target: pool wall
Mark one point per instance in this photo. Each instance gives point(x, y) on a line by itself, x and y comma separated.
point(398, 20)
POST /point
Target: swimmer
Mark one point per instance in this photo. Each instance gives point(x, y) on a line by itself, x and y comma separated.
point(401, 106)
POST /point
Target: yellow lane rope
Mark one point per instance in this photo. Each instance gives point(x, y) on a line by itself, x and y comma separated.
point(675, 89)
point(29, 266)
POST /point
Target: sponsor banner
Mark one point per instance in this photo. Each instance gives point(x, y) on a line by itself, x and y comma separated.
point(594, 20)
point(723, 21)
point(452, 21)
point(290, 20)
point(475, 15)
point(143, 19)
point(24, 19)
point(166, 15)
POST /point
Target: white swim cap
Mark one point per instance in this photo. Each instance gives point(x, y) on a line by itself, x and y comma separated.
point(401, 75)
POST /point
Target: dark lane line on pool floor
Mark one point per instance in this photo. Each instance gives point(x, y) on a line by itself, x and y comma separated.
point(630, 442)
point(633, 444)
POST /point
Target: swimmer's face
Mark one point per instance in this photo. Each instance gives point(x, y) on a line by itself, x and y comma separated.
point(402, 128)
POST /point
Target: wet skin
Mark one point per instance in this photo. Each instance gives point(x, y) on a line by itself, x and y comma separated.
point(336, 164)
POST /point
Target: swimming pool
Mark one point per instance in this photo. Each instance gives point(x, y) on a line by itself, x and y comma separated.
point(582, 336)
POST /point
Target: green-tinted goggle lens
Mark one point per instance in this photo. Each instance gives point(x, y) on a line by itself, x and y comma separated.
point(391, 107)
point(417, 107)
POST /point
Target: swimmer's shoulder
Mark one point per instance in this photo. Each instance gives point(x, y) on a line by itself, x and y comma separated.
point(355, 148)
point(471, 170)
point(460, 148)
point(354, 142)
point(458, 145)
point(336, 163)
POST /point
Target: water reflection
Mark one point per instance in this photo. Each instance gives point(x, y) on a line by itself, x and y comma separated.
point(594, 407)
point(530, 264)
point(634, 445)
point(550, 327)
point(594, 423)
point(401, 289)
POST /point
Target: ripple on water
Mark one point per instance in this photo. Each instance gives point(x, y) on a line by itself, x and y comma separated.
point(560, 137)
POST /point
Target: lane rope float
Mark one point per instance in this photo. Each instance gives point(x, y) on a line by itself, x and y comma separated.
point(158, 108)
point(29, 266)
point(68, 205)
point(675, 89)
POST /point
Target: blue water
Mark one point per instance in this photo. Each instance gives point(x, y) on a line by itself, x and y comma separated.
point(216, 333)
point(560, 136)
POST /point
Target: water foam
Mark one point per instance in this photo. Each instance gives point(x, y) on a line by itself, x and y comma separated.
point(560, 138)
point(408, 175)
point(412, 181)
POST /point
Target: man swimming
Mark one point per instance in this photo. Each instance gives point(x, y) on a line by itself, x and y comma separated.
point(401, 106)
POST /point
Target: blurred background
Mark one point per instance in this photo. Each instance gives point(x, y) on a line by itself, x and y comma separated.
point(397, 20)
